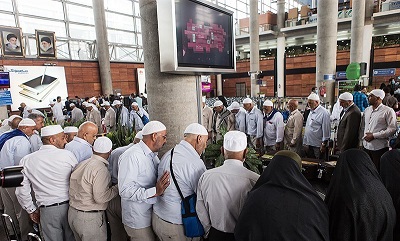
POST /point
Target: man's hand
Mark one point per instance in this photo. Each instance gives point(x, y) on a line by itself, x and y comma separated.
point(368, 137)
point(35, 216)
point(162, 184)
point(278, 146)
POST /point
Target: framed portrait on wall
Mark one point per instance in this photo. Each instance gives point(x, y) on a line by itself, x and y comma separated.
point(11, 42)
point(46, 44)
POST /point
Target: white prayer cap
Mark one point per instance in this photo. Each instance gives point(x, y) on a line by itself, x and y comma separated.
point(197, 129)
point(90, 105)
point(27, 122)
point(247, 101)
point(72, 104)
point(116, 102)
point(153, 127)
point(105, 103)
point(218, 103)
point(268, 103)
point(313, 96)
point(92, 99)
point(70, 129)
point(378, 93)
point(51, 130)
point(346, 96)
point(28, 108)
point(139, 135)
point(134, 104)
point(84, 103)
point(11, 118)
point(102, 145)
point(203, 98)
point(235, 141)
point(235, 105)
point(52, 102)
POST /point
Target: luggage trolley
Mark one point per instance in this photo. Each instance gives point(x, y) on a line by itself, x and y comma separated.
point(33, 237)
point(4, 218)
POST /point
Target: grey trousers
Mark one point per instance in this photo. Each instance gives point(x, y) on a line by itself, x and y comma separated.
point(54, 222)
point(142, 234)
point(168, 231)
point(114, 215)
point(20, 217)
point(88, 226)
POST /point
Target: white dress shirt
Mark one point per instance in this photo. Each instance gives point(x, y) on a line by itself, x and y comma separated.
point(135, 118)
point(240, 121)
point(14, 150)
point(113, 162)
point(254, 123)
point(221, 194)
point(76, 115)
point(48, 171)
point(274, 130)
point(382, 123)
point(57, 111)
point(124, 117)
point(80, 148)
point(25, 113)
point(137, 177)
point(36, 141)
point(188, 167)
point(318, 127)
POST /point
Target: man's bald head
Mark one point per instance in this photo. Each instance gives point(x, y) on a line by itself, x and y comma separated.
point(88, 131)
point(293, 105)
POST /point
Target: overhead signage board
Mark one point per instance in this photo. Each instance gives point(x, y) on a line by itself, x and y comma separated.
point(384, 72)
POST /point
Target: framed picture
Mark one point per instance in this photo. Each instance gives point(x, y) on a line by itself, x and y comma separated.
point(11, 42)
point(46, 44)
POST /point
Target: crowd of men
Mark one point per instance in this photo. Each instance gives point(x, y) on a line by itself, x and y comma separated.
point(74, 183)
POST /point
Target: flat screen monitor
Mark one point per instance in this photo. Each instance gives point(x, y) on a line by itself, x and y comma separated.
point(195, 37)
point(4, 79)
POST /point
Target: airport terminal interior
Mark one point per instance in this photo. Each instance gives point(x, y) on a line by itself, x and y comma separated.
point(276, 114)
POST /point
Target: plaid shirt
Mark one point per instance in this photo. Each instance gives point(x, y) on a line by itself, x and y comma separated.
point(361, 100)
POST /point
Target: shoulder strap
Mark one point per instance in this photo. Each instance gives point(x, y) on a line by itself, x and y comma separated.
point(173, 176)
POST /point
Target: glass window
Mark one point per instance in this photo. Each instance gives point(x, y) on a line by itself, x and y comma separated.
point(62, 50)
point(136, 8)
point(115, 36)
point(7, 20)
point(138, 25)
point(119, 21)
point(119, 6)
point(6, 5)
point(126, 54)
point(79, 50)
point(82, 32)
point(29, 25)
point(32, 47)
point(242, 6)
point(139, 38)
point(84, 2)
point(42, 8)
point(80, 14)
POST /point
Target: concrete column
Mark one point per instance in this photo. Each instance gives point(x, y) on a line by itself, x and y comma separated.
point(367, 38)
point(172, 98)
point(280, 50)
point(254, 47)
point(357, 31)
point(219, 85)
point(327, 45)
point(103, 54)
point(280, 21)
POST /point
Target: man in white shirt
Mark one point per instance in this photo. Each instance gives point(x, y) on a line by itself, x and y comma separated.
point(207, 117)
point(35, 139)
point(273, 128)
point(110, 117)
point(222, 191)
point(12, 124)
point(240, 116)
point(47, 171)
point(254, 123)
point(378, 124)
point(294, 128)
point(137, 182)
point(187, 167)
point(135, 116)
point(81, 145)
point(76, 114)
point(94, 116)
point(70, 132)
point(25, 112)
point(122, 113)
point(14, 145)
point(57, 109)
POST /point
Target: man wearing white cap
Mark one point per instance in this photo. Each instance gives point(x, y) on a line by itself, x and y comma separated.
point(207, 117)
point(70, 132)
point(114, 210)
point(110, 117)
point(254, 123)
point(349, 123)
point(76, 114)
point(294, 128)
point(240, 116)
point(377, 126)
point(222, 119)
point(273, 128)
point(187, 168)
point(81, 145)
point(35, 139)
point(12, 124)
point(90, 192)
point(94, 116)
point(57, 109)
point(47, 171)
point(136, 116)
point(122, 113)
point(137, 181)
point(318, 128)
point(222, 191)
point(24, 108)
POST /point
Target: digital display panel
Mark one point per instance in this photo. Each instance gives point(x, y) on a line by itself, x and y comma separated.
point(4, 80)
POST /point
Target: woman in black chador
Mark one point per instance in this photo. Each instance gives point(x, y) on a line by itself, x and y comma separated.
point(360, 207)
point(283, 205)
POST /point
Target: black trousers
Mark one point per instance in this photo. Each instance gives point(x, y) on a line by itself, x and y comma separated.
point(216, 235)
point(376, 156)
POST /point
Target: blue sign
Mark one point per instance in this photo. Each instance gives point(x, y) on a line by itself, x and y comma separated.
point(340, 75)
point(5, 98)
point(329, 77)
point(384, 72)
